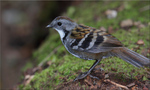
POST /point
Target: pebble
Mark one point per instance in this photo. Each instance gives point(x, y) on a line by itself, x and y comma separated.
point(111, 14)
point(126, 23)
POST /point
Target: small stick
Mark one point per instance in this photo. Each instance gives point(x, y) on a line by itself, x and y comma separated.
point(131, 84)
point(119, 85)
point(89, 83)
point(28, 79)
point(148, 72)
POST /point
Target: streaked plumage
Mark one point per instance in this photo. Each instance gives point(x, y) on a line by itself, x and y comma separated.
point(93, 44)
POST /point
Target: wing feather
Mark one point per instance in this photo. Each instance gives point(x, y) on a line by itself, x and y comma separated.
point(86, 36)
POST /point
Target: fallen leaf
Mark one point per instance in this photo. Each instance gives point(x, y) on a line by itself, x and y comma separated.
point(106, 76)
point(145, 88)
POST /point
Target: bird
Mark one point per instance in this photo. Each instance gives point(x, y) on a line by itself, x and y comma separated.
point(89, 43)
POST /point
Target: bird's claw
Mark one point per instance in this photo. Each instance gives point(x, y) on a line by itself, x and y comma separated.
point(81, 76)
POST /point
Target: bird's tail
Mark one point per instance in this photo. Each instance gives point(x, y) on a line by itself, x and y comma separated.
point(131, 57)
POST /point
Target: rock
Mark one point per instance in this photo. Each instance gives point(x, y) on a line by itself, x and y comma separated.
point(126, 23)
point(138, 24)
point(111, 14)
point(141, 26)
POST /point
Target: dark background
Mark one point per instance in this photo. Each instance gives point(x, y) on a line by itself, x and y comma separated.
point(22, 31)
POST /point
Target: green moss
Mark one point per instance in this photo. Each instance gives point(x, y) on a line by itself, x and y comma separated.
point(64, 65)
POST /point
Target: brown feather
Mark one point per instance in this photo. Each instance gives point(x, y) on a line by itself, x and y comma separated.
point(80, 31)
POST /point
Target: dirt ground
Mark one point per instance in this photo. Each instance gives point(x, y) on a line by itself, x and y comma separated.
point(106, 81)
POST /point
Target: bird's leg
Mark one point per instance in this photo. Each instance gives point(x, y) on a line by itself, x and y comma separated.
point(82, 75)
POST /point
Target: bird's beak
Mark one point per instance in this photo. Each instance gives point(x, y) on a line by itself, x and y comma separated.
point(49, 26)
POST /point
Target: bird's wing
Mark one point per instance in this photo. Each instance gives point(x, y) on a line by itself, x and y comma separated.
point(92, 40)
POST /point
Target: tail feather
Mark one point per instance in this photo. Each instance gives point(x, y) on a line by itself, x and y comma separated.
point(131, 57)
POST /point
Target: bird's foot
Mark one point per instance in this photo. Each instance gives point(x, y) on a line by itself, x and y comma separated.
point(94, 77)
point(81, 76)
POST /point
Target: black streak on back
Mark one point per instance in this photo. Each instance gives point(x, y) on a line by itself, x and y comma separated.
point(76, 42)
point(99, 40)
point(87, 41)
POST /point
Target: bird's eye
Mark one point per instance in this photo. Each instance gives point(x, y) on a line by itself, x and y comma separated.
point(59, 23)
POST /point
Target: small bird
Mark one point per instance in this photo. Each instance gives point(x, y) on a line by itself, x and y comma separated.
point(93, 44)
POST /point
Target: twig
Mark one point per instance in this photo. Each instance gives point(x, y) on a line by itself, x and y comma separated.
point(28, 79)
point(119, 85)
point(89, 83)
point(131, 84)
point(148, 72)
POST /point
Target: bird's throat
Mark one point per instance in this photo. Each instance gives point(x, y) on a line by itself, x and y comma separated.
point(63, 34)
